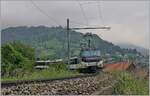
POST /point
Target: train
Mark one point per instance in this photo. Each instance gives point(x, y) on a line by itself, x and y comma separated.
point(90, 59)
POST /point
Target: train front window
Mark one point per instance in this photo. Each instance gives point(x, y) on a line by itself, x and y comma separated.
point(90, 53)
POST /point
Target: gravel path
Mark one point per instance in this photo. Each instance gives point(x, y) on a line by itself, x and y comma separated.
point(78, 86)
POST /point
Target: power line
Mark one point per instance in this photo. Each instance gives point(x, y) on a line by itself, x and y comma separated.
point(83, 13)
point(44, 13)
point(54, 20)
point(87, 3)
point(100, 12)
point(76, 23)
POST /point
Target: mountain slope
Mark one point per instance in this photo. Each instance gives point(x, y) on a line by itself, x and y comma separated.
point(142, 50)
point(51, 42)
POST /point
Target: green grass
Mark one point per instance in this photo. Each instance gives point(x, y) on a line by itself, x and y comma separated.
point(44, 74)
point(55, 71)
point(129, 85)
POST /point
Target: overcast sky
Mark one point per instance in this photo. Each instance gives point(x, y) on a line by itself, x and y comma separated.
point(129, 20)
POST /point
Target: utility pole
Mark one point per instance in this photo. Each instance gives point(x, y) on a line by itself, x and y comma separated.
point(68, 39)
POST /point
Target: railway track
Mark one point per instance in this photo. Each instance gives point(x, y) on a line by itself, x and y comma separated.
point(15, 83)
point(78, 85)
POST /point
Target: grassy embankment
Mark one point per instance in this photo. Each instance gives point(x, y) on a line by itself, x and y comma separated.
point(129, 85)
point(54, 71)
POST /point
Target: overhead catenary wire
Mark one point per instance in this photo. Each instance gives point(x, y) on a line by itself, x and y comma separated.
point(51, 18)
point(87, 3)
point(101, 19)
point(76, 23)
point(100, 12)
point(44, 13)
point(83, 13)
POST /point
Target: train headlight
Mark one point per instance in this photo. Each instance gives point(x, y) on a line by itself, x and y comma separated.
point(100, 64)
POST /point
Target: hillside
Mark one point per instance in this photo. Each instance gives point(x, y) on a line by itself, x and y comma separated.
point(50, 42)
point(142, 50)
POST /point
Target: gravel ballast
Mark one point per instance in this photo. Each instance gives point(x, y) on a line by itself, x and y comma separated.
point(76, 86)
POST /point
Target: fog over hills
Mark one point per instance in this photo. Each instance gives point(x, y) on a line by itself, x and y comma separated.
point(142, 50)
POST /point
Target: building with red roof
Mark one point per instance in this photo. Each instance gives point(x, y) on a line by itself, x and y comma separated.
point(119, 66)
point(126, 66)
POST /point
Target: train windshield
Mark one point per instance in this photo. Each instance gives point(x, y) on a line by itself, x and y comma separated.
point(90, 53)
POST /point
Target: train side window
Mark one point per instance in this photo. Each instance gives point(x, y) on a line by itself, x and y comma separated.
point(74, 61)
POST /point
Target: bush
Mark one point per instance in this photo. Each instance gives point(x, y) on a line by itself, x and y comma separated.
point(25, 49)
point(129, 85)
point(58, 67)
point(16, 56)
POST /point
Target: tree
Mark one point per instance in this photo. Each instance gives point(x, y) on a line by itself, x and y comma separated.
point(16, 56)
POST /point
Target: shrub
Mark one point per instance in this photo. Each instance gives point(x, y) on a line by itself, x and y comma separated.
point(129, 85)
point(58, 67)
point(16, 56)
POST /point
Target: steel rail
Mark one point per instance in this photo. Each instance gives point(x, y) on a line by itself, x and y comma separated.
point(19, 82)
